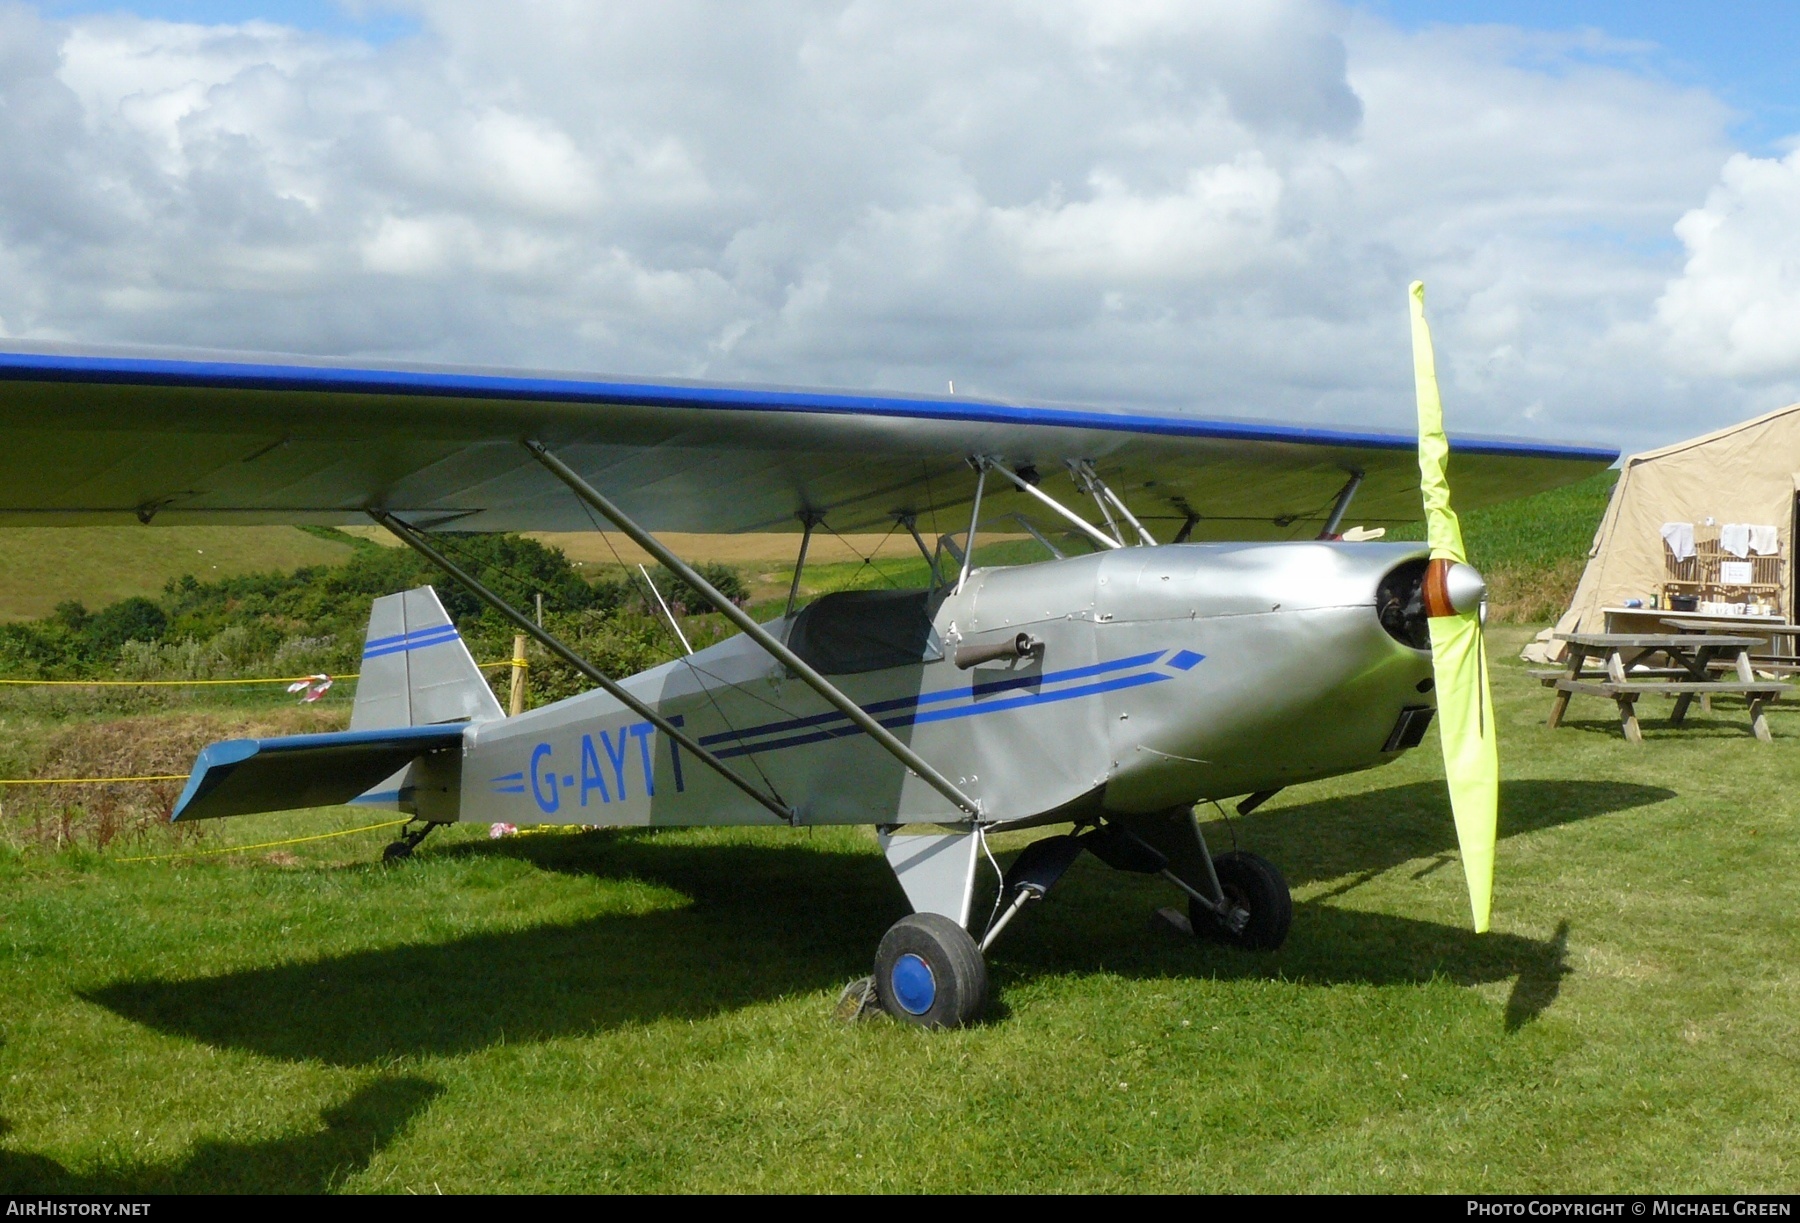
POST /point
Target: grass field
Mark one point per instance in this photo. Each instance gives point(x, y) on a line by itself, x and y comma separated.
point(100, 565)
point(632, 1011)
point(1532, 552)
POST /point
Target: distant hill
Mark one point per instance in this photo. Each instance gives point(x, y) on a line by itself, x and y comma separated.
point(1532, 551)
point(43, 566)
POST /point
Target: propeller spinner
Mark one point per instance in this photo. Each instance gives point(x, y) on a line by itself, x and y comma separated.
point(1454, 593)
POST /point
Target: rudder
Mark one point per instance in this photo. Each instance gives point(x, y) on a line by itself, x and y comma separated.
point(416, 671)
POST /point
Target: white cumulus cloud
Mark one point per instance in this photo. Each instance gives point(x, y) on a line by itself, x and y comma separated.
point(1197, 206)
point(1735, 310)
point(1222, 218)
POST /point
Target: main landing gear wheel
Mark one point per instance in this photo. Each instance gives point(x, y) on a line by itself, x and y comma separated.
point(928, 971)
point(1255, 885)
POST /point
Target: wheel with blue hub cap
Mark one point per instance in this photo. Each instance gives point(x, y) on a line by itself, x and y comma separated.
point(929, 971)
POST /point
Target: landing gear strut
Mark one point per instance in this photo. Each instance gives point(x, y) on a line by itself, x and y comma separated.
point(1238, 899)
point(401, 849)
point(929, 970)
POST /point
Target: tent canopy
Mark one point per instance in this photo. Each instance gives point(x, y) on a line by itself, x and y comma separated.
point(1747, 473)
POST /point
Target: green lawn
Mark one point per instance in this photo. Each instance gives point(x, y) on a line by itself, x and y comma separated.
point(632, 1011)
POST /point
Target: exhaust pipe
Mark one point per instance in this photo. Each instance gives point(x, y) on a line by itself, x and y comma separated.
point(1022, 646)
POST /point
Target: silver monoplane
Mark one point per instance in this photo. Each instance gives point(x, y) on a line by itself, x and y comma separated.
point(1111, 689)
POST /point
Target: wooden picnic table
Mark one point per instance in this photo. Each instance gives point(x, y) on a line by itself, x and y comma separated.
point(1778, 660)
point(1685, 673)
point(1654, 620)
point(1732, 626)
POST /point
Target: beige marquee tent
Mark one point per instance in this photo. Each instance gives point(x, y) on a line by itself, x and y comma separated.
point(1747, 474)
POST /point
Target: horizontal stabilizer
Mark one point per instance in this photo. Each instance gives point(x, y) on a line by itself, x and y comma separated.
point(243, 776)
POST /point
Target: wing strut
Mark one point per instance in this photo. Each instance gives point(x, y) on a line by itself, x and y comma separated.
point(1038, 535)
point(968, 556)
point(751, 629)
point(1095, 487)
point(1341, 505)
point(911, 523)
point(1081, 524)
point(809, 520)
point(412, 539)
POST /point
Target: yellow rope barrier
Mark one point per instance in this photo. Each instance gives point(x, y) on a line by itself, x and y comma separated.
point(86, 781)
point(520, 663)
point(152, 683)
point(239, 849)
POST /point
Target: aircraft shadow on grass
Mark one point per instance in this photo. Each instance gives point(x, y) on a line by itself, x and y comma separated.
point(767, 922)
point(350, 1135)
point(1366, 834)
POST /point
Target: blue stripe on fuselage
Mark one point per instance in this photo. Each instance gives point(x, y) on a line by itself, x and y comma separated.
point(946, 715)
point(935, 707)
point(973, 692)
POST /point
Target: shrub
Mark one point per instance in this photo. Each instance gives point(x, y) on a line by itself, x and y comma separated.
point(313, 620)
point(133, 619)
point(684, 598)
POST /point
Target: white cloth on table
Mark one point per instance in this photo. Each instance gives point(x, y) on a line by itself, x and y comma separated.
point(1763, 541)
point(1680, 538)
point(1734, 537)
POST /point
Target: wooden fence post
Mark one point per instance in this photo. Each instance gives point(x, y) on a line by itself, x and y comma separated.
point(519, 666)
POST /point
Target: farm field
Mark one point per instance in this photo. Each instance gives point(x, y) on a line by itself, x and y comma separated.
point(101, 565)
point(653, 1011)
point(1532, 552)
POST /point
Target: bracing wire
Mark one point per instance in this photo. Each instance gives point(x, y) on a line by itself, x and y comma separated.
point(931, 508)
point(1322, 511)
point(1230, 824)
point(999, 883)
point(868, 562)
point(743, 691)
point(688, 661)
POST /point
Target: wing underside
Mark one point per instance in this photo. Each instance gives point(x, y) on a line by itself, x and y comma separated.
point(88, 438)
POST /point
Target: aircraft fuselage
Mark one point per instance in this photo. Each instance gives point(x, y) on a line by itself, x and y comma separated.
point(1159, 677)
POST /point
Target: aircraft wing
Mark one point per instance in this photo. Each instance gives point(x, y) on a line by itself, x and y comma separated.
point(89, 437)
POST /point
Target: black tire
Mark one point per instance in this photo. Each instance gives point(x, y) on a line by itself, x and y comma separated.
point(1252, 883)
point(928, 971)
point(396, 851)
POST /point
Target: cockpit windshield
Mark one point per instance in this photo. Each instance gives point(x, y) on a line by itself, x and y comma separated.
point(854, 631)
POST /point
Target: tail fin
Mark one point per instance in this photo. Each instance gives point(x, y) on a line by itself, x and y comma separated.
point(416, 671)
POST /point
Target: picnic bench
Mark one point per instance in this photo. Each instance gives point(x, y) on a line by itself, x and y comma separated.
point(1629, 669)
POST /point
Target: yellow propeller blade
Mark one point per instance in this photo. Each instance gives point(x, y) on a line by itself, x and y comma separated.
point(1458, 657)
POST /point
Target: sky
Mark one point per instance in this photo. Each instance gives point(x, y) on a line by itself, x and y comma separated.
point(1155, 205)
point(1743, 53)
